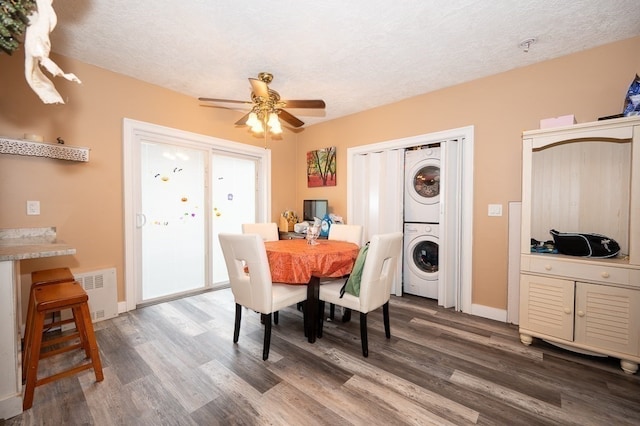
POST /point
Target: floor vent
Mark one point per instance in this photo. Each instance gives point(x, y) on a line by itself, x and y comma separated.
point(102, 288)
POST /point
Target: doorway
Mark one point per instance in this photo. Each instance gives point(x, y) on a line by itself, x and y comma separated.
point(176, 204)
point(378, 203)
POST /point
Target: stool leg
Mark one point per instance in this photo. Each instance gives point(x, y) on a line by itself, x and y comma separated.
point(32, 358)
point(91, 339)
point(28, 332)
point(82, 332)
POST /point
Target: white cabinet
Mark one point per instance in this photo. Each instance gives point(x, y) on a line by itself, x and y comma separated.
point(583, 178)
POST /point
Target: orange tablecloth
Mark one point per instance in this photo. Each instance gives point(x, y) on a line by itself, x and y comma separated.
point(295, 261)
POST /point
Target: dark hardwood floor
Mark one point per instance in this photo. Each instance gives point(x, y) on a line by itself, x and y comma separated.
point(175, 364)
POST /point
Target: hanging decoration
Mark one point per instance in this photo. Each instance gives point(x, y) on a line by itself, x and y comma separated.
point(37, 47)
point(35, 19)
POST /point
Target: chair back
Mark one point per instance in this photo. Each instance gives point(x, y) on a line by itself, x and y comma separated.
point(379, 270)
point(342, 232)
point(249, 273)
point(268, 231)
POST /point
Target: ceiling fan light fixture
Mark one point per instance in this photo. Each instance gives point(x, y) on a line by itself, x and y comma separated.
point(267, 109)
point(274, 123)
point(253, 119)
point(276, 129)
point(273, 119)
point(257, 127)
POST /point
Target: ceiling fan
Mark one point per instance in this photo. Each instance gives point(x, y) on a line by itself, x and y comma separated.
point(267, 107)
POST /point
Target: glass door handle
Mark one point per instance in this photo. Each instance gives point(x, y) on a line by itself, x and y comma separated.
point(141, 220)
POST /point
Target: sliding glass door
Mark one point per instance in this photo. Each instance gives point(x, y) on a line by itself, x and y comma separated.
point(181, 190)
point(172, 219)
point(234, 201)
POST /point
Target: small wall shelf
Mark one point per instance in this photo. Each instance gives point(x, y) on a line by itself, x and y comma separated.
point(42, 149)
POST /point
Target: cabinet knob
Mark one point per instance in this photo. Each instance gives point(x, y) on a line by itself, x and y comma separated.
point(547, 267)
point(580, 313)
point(567, 310)
point(604, 274)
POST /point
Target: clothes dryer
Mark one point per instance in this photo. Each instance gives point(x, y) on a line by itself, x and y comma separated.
point(421, 252)
point(422, 185)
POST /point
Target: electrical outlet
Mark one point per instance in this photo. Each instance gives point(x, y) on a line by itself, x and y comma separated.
point(495, 209)
point(33, 208)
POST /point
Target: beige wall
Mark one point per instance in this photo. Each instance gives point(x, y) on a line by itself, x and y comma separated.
point(84, 200)
point(589, 85)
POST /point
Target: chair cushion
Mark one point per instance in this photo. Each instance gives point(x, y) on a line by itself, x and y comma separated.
point(330, 293)
point(286, 295)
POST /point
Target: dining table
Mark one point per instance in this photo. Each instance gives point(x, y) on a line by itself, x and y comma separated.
point(297, 262)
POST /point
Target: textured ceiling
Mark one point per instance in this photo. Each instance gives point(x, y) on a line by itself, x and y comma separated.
point(355, 54)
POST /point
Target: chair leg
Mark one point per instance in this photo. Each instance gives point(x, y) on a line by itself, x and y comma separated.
point(267, 337)
point(385, 315)
point(236, 329)
point(275, 317)
point(332, 311)
point(346, 316)
point(321, 318)
point(363, 334)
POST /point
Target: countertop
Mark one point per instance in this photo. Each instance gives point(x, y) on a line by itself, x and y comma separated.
point(31, 243)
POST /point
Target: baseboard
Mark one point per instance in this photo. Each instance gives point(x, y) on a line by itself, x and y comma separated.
point(489, 312)
point(122, 307)
point(10, 406)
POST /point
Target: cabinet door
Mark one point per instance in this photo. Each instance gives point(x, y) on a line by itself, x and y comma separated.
point(608, 317)
point(546, 306)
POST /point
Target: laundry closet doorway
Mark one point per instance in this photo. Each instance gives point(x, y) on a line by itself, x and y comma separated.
point(181, 190)
point(377, 203)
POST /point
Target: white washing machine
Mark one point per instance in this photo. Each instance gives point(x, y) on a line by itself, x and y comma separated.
point(421, 251)
point(422, 185)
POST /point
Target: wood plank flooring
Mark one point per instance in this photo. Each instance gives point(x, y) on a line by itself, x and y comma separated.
point(175, 364)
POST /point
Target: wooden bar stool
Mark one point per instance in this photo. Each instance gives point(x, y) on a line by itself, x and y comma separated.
point(40, 278)
point(49, 276)
point(50, 298)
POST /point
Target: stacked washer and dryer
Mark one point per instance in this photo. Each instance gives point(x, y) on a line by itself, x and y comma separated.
point(421, 221)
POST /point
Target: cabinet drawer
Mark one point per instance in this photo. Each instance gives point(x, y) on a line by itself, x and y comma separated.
point(605, 273)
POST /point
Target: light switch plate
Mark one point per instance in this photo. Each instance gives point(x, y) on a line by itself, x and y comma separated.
point(33, 208)
point(495, 209)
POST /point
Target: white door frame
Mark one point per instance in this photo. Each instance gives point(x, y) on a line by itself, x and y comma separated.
point(133, 131)
point(464, 160)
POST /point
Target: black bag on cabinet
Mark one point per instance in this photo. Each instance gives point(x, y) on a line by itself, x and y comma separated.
point(585, 245)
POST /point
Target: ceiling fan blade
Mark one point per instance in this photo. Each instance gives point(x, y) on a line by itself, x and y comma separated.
point(259, 88)
point(243, 120)
point(305, 103)
point(228, 101)
point(292, 120)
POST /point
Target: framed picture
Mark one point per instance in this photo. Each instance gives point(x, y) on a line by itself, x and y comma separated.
point(321, 167)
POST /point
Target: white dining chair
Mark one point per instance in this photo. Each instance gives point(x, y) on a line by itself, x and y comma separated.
point(375, 285)
point(343, 232)
point(251, 285)
point(268, 231)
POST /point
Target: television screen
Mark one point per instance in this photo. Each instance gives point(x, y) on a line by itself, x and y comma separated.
point(314, 208)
